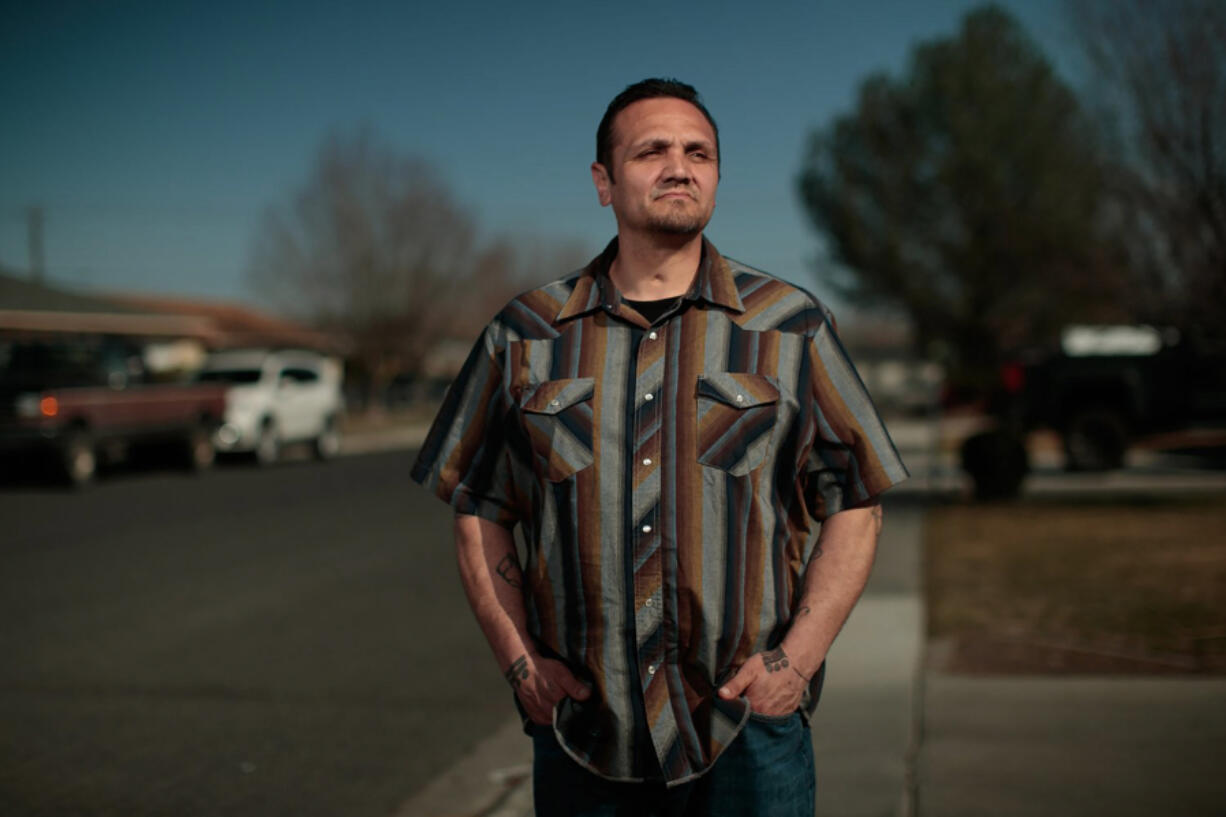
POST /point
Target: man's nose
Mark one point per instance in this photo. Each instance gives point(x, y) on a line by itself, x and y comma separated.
point(677, 169)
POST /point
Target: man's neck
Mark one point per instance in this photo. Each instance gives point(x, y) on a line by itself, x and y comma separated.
point(653, 269)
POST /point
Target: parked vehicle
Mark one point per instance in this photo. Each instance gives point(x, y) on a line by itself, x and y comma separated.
point(275, 398)
point(1106, 387)
point(90, 400)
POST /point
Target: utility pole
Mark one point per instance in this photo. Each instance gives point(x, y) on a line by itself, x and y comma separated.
point(34, 234)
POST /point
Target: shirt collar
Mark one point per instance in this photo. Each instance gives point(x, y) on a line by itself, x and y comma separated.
point(594, 290)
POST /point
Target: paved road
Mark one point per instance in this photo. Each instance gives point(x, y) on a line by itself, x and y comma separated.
point(290, 641)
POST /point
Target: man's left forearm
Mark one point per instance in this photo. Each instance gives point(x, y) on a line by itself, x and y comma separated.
point(835, 577)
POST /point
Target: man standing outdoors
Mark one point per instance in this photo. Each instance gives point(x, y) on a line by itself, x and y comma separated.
point(665, 427)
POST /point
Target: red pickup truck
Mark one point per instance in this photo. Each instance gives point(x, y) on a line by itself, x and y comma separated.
point(85, 402)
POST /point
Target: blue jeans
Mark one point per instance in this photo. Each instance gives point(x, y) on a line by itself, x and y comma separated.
point(767, 770)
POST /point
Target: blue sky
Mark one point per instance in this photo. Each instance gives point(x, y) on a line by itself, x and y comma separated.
point(154, 135)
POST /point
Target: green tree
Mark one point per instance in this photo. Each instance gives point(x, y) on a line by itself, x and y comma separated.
point(967, 194)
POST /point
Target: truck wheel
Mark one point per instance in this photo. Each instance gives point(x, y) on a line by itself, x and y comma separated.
point(1095, 439)
point(328, 443)
point(997, 464)
point(78, 458)
point(199, 451)
point(267, 445)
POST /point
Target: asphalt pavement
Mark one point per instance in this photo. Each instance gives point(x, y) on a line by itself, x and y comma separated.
point(249, 642)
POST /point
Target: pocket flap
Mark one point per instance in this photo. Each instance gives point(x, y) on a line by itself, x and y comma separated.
point(552, 396)
point(739, 389)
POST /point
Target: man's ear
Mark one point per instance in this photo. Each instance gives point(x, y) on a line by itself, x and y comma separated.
point(600, 178)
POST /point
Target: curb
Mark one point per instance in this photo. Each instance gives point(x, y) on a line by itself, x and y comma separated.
point(494, 779)
point(386, 439)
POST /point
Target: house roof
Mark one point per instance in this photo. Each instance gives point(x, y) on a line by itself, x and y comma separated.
point(21, 295)
point(237, 325)
point(37, 307)
point(31, 306)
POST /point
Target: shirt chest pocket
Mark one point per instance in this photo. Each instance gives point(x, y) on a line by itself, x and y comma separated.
point(557, 418)
point(736, 415)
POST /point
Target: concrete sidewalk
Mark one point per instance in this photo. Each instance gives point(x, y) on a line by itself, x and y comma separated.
point(862, 731)
point(1072, 747)
point(864, 728)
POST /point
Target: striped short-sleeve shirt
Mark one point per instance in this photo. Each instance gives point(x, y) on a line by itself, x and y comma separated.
point(665, 478)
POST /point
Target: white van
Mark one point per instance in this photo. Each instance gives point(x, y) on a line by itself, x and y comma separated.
point(275, 398)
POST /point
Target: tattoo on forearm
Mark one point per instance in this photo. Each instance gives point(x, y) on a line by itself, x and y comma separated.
point(518, 672)
point(803, 611)
point(508, 569)
point(775, 660)
point(878, 517)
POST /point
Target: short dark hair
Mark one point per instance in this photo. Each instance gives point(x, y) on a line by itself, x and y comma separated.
point(653, 88)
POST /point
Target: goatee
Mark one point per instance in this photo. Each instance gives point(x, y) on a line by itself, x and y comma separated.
point(677, 223)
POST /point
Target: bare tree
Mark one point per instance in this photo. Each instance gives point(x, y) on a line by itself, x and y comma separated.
point(510, 265)
point(1161, 71)
point(372, 245)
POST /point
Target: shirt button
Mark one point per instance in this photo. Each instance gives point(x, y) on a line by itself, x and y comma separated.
point(740, 398)
point(651, 602)
point(647, 529)
point(652, 336)
point(651, 669)
point(555, 402)
point(649, 396)
point(647, 461)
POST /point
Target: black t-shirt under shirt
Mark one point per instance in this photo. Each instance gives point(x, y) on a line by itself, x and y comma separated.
point(653, 310)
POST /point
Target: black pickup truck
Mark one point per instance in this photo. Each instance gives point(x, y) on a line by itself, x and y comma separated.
point(1106, 387)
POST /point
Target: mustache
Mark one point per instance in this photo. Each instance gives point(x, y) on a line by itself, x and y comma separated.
point(678, 187)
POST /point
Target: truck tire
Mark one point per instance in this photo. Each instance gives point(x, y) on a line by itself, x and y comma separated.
point(328, 443)
point(79, 458)
point(199, 452)
point(997, 464)
point(1095, 439)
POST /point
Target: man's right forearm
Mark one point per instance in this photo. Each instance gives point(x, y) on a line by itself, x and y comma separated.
point(489, 570)
point(493, 582)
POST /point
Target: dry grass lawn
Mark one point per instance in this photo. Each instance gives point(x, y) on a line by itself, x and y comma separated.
point(1053, 586)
